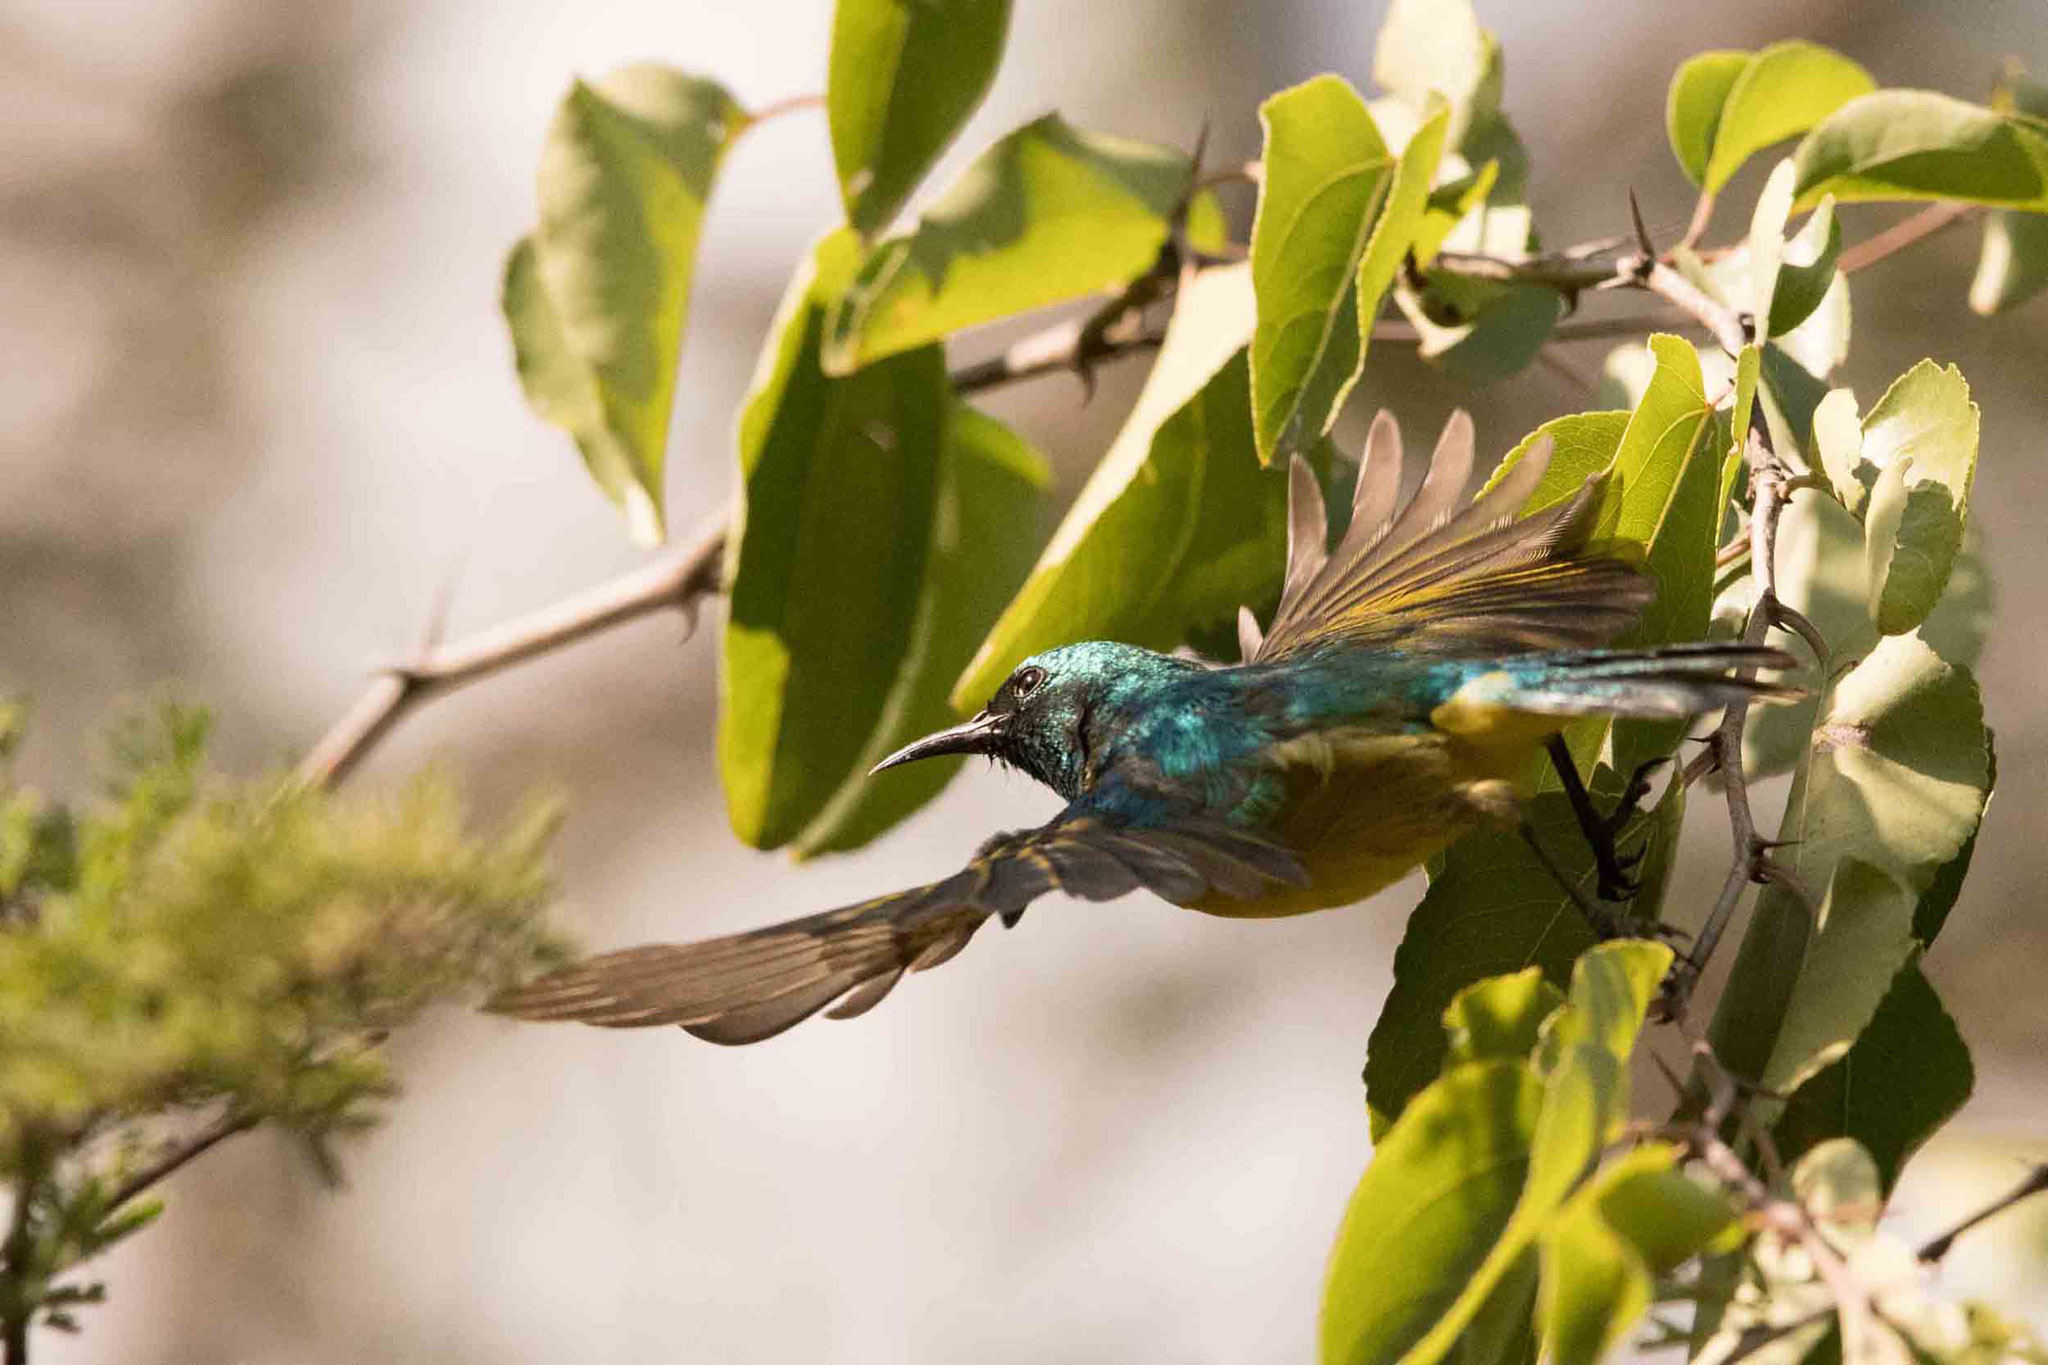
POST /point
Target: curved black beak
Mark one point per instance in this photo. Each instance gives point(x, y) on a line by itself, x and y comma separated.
point(977, 736)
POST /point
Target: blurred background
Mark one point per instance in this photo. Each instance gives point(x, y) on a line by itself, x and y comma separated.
point(257, 413)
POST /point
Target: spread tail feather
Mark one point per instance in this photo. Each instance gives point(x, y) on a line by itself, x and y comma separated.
point(1660, 682)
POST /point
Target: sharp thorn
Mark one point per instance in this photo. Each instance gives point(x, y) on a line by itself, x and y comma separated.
point(1635, 214)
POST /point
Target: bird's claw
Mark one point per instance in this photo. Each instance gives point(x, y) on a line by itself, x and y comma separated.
point(1613, 866)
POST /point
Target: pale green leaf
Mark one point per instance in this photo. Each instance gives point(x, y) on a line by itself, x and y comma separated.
point(984, 535)
point(1767, 245)
point(1327, 173)
point(1048, 214)
point(1783, 90)
point(1892, 789)
point(1180, 492)
point(596, 299)
point(904, 77)
point(1442, 1185)
point(1839, 1185)
point(1437, 47)
point(1499, 1017)
point(1693, 105)
point(1918, 144)
point(827, 559)
point(1922, 439)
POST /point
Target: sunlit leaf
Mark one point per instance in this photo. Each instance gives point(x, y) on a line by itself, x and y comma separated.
point(984, 534)
point(904, 76)
point(1693, 105)
point(1326, 177)
point(1583, 1060)
point(1178, 525)
point(1638, 1218)
point(1769, 96)
point(827, 560)
point(1918, 144)
point(1500, 1016)
point(1436, 47)
point(1448, 1174)
point(596, 298)
point(1049, 213)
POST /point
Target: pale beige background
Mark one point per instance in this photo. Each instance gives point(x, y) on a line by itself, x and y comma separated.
point(256, 407)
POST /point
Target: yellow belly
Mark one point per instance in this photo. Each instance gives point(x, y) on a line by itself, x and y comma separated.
point(1363, 810)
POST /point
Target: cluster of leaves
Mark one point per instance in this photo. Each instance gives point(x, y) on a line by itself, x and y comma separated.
point(884, 574)
point(195, 955)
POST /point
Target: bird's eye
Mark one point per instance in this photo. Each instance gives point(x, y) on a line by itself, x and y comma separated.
point(1028, 681)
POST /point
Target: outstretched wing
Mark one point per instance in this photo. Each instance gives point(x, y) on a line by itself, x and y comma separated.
point(746, 987)
point(1431, 578)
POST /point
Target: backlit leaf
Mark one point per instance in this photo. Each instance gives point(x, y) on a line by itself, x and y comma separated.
point(1327, 173)
point(1724, 107)
point(827, 559)
point(1583, 1061)
point(1693, 105)
point(596, 299)
point(1807, 270)
point(904, 76)
point(1448, 1176)
point(1048, 214)
point(1436, 47)
point(1178, 525)
point(1639, 1218)
point(1500, 1016)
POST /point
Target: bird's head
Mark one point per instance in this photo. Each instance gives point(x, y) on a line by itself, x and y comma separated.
point(1038, 721)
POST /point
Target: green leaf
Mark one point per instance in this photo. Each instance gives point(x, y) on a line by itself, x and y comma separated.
point(1490, 909)
point(830, 546)
point(1892, 789)
point(1838, 1184)
point(1906, 1075)
point(2013, 267)
point(1807, 271)
point(1612, 986)
point(1693, 105)
point(1048, 214)
point(1922, 439)
point(596, 298)
point(1767, 244)
point(1436, 47)
point(904, 77)
point(1917, 144)
point(1479, 331)
point(1400, 226)
point(1584, 1059)
point(1637, 1219)
point(1780, 92)
point(1499, 1017)
point(1180, 492)
point(1441, 1187)
point(1327, 173)
point(984, 534)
